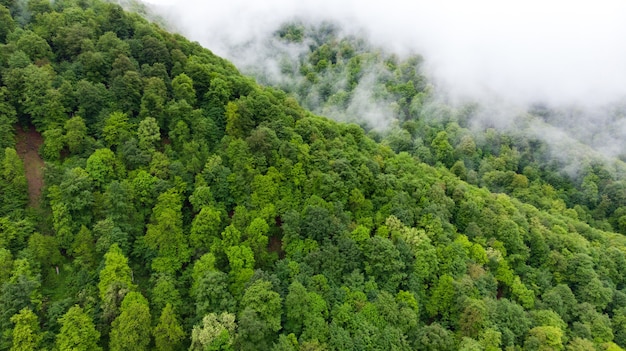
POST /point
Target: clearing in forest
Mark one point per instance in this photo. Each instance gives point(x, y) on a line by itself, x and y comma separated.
point(27, 145)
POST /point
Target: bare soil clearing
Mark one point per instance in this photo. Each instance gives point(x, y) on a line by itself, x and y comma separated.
point(27, 146)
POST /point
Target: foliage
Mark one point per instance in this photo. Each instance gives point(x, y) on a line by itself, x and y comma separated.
point(131, 329)
point(187, 207)
point(77, 331)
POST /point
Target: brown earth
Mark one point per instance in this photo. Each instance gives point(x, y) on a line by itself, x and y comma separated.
point(276, 245)
point(27, 146)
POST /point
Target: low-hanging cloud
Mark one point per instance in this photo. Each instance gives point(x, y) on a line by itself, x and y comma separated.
point(556, 52)
point(507, 56)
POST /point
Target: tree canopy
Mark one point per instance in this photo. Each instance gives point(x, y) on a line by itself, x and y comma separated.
point(185, 206)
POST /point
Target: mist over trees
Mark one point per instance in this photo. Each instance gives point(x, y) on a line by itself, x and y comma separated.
point(186, 206)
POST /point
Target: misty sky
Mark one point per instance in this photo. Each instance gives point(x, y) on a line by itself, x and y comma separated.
point(554, 51)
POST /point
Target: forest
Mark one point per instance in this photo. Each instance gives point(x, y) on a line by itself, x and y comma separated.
point(155, 198)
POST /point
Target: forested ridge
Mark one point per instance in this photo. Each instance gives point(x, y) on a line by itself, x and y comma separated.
point(185, 206)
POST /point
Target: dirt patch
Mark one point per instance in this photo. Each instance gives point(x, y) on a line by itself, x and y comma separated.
point(276, 245)
point(27, 146)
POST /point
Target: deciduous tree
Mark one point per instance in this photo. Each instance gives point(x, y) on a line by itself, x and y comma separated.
point(165, 234)
point(131, 329)
point(168, 334)
point(78, 332)
point(26, 335)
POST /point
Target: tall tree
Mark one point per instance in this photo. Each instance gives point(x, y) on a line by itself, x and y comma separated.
point(26, 335)
point(103, 167)
point(21, 291)
point(13, 184)
point(165, 234)
point(115, 281)
point(37, 83)
point(148, 134)
point(8, 116)
point(182, 87)
point(260, 316)
point(205, 229)
point(153, 100)
point(117, 129)
point(6, 22)
point(168, 334)
point(217, 332)
point(78, 332)
point(131, 329)
point(75, 134)
point(306, 313)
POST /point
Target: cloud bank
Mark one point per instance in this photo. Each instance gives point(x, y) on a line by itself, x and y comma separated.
point(507, 55)
point(556, 52)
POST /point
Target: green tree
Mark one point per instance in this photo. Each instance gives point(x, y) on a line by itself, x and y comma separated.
point(260, 316)
point(26, 335)
point(164, 234)
point(217, 332)
point(286, 343)
point(111, 47)
point(6, 22)
point(131, 329)
point(561, 300)
point(45, 250)
point(69, 39)
point(6, 264)
point(107, 234)
point(182, 87)
point(84, 248)
point(115, 281)
point(78, 332)
point(435, 338)
point(119, 205)
point(126, 86)
point(619, 326)
point(22, 290)
point(75, 134)
point(34, 46)
point(256, 237)
point(236, 125)
point(153, 100)
point(37, 82)
point(511, 319)
point(443, 150)
point(544, 338)
point(165, 292)
point(92, 98)
point(117, 129)
point(210, 290)
point(56, 113)
point(53, 144)
point(168, 334)
point(579, 344)
point(8, 116)
point(205, 229)
point(148, 134)
point(13, 183)
point(442, 299)
point(306, 313)
point(473, 318)
point(241, 262)
point(103, 167)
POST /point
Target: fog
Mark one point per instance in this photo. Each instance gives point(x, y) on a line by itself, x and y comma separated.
point(554, 51)
point(565, 54)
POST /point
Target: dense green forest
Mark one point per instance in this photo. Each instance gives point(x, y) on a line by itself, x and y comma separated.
point(185, 206)
point(338, 74)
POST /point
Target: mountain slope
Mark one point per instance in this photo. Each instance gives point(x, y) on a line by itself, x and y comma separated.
point(171, 180)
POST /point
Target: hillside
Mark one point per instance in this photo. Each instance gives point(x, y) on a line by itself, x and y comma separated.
point(185, 206)
point(537, 153)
